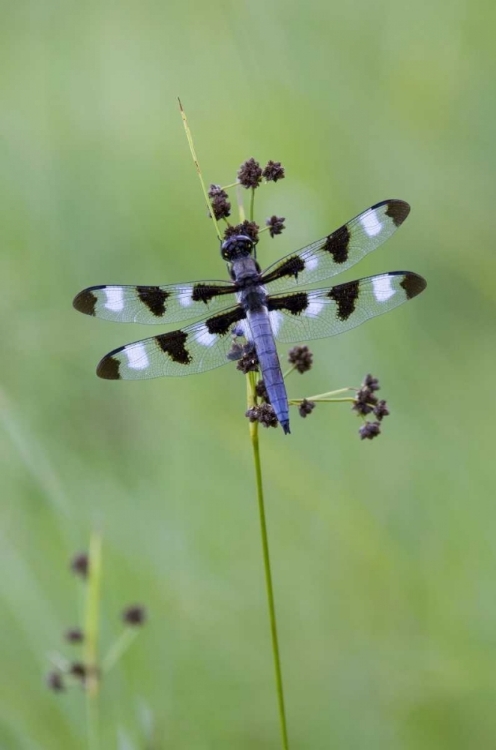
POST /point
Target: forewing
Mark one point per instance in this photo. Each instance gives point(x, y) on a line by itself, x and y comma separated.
point(339, 250)
point(195, 348)
point(318, 313)
point(155, 304)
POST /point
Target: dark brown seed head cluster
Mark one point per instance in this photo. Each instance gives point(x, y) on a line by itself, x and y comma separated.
point(55, 682)
point(273, 171)
point(250, 174)
point(301, 358)
point(365, 403)
point(369, 430)
point(79, 564)
point(261, 392)
point(306, 408)
point(134, 615)
point(381, 410)
point(219, 201)
point(249, 228)
point(275, 224)
point(248, 362)
point(78, 669)
point(74, 635)
point(264, 414)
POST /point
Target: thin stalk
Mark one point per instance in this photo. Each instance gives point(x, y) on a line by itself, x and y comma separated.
point(268, 577)
point(329, 394)
point(296, 401)
point(252, 204)
point(239, 200)
point(120, 646)
point(91, 630)
point(197, 165)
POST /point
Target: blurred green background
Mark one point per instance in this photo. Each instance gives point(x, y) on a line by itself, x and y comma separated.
point(383, 552)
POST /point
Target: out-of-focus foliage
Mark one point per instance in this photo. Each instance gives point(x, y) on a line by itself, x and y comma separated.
point(383, 552)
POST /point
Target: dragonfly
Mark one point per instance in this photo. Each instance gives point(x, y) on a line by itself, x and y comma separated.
point(254, 307)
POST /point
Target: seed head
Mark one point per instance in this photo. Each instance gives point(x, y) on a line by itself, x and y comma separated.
point(371, 383)
point(306, 408)
point(369, 430)
point(219, 200)
point(275, 224)
point(74, 635)
point(381, 410)
point(134, 615)
point(250, 174)
point(80, 564)
point(78, 669)
point(264, 414)
point(55, 682)
point(250, 228)
point(261, 391)
point(273, 171)
point(301, 357)
point(248, 362)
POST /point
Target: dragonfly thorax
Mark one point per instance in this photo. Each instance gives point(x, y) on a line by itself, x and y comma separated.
point(237, 246)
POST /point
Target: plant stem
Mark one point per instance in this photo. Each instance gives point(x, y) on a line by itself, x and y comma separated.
point(197, 165)
point(120, 646)
point(91, 629)
point(268, 584)
point(289, 371)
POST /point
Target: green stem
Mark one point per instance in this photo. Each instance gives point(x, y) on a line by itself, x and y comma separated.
point(268, 583)
point(120, 646)
point(330, 395)
point(91, 630)
point(239, 199)
point(320, 400)
point(252, 203)
point(191, 145)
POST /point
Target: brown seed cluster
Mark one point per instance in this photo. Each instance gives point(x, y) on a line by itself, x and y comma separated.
point(75, 671)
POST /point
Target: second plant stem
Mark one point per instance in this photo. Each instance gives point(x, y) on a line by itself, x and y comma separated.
point(268, 584)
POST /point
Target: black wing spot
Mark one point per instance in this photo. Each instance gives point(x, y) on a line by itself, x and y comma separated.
point(206, 292)
point(345, 297)
point(292, 303)
point(173, 344)
point(85, 302)
point(337, 244)
point(223, 323)
point(108, 368)
point(290, 267)
point(413, 284)
point(397, 211)
point(154, 298)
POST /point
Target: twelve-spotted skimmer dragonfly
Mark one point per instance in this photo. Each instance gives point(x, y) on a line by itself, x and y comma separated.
point(259, 306)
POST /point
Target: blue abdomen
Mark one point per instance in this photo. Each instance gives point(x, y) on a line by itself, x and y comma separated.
point(263, 338)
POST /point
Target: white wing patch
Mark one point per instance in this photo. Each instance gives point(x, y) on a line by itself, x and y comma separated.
point(383, 289)
point(314, 307)
point(185, 298)
point(311, 263)
point(205, 338)
point(371, 223)
point(276, 320)
point(115, 298)
point(137, 358)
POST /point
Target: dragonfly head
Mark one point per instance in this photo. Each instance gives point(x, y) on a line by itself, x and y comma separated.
point(237, 246)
